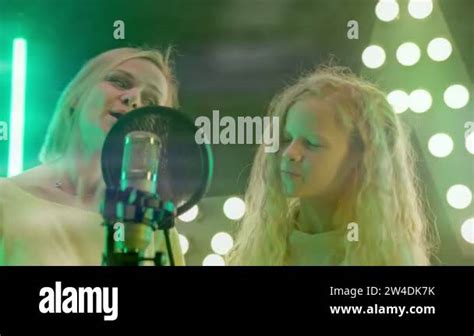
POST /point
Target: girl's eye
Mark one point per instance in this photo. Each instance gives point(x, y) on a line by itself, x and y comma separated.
point(312, 144)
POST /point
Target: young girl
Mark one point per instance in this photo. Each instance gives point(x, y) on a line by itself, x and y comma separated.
point(342, 189)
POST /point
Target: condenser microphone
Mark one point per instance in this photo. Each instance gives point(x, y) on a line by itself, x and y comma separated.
point(140, 166)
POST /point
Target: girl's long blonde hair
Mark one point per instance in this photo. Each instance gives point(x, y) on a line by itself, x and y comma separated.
point(65, 117)
point(382, 195)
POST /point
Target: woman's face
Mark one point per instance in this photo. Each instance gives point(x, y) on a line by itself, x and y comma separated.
point(315, 156)
point(134, 83)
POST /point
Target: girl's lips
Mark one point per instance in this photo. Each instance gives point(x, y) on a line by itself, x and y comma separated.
point(290, 173)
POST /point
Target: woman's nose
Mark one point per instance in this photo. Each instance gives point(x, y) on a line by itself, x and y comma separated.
point(132, 99)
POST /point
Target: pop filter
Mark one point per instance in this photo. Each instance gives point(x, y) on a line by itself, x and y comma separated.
point(185, 167)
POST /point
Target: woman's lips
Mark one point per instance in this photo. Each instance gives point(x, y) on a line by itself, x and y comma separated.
point(116, 115)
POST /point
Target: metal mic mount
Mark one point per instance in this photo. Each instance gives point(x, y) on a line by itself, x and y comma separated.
point(139, 214)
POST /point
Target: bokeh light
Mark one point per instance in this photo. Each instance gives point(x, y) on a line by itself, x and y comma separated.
point(387, 10)
point(373, 56)
point(467, 230)
point(189, 215)
point(184, 243)
point(408, 54)
point(420, 101)
point(221, 243)
point(420, 9)
point(456, 96)
point(399, 100)
point(234, 208)
point(213, 260)
point(459, 196)
point(470, 143)
point(440, 145)
point(439, 49)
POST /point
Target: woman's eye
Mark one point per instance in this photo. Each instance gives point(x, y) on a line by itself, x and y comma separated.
point(150, 100)
point(119, 82)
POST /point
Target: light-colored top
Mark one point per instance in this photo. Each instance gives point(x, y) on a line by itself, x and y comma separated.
point(35, 231)
point(321, 249)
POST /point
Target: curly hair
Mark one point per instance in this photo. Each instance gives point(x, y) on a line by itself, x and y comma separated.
point(382, 195)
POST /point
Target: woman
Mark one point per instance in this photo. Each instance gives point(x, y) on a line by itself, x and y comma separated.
point(341, 189)
point(50, 214)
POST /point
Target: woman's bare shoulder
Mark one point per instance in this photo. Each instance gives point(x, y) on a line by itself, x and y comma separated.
point(35, 180)
point(36, 176)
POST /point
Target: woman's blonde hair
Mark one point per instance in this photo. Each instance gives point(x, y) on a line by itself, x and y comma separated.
point(382, 196)
point(65, 115)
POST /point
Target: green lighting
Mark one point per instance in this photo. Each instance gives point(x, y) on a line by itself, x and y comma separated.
point(17, 111)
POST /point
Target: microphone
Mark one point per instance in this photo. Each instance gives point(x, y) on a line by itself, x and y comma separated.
point(143, 144)
point(141, 157)
point(135, 207)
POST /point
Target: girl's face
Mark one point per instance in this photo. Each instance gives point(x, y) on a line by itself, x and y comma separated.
point(315, 151)
point(134, 83)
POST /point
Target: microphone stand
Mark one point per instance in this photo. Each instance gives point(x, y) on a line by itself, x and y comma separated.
point(147, 212)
